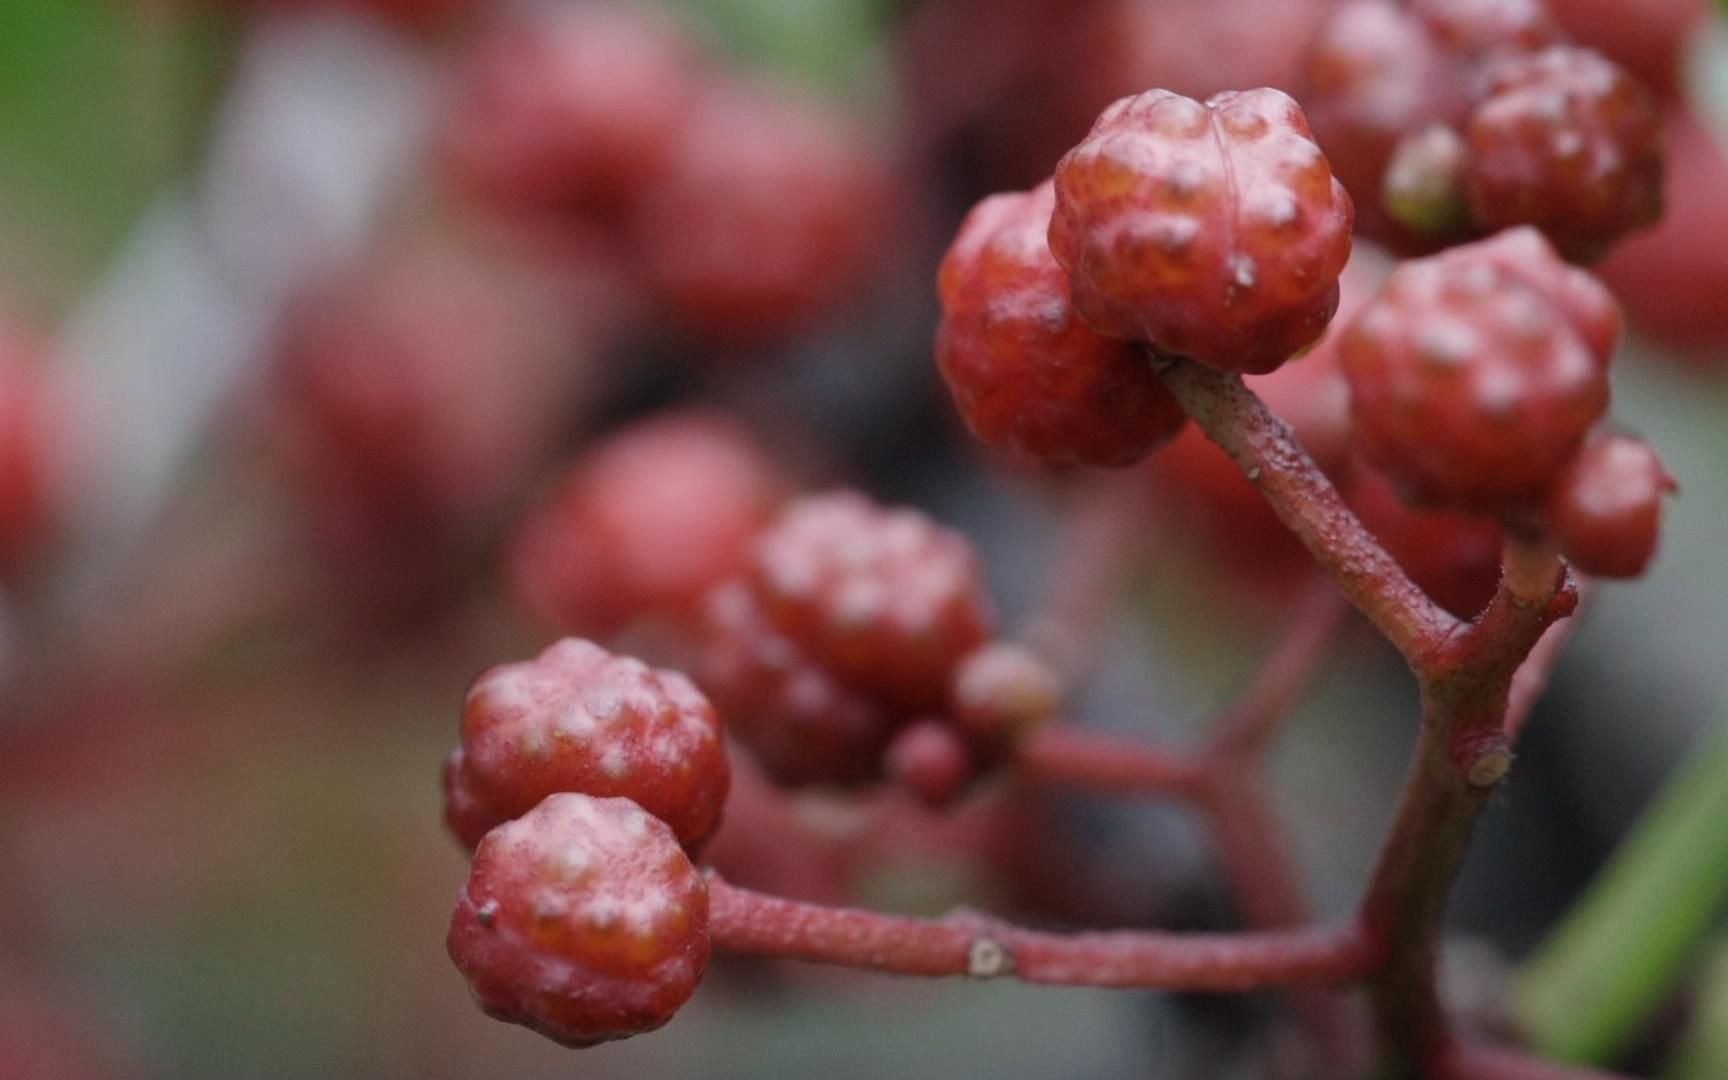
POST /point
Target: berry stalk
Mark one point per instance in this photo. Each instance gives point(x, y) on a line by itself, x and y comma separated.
point(969, 944)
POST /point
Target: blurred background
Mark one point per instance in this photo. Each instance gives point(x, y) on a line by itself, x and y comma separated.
point(308, 330)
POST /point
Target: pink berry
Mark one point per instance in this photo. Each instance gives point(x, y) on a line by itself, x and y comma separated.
point(577, 718)
point(931, 761)
point(1211, 230)
point(583, 920)
point(1606, 510)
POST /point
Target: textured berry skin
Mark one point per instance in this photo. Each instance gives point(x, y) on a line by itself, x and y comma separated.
point(1214, 231)
point(1024, 372)
point(1606, 509)
point(583, 920)
point(1002, 693)
point(1453, 557)
point(769, 214)
point(578, 718)
point(1568, 142)
point(645, 523)
point(1473, 376)
point(885, 599)
point(466, 815)
point(568, 110)
point(799, 723)
point(1671, 282)
point(1644, 36)
point(1479, 28)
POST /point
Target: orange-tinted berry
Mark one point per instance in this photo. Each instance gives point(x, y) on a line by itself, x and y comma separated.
point(1025, 373)
point(801, 724)
point(1211, 230)
point(583, 920)
point(569, 110)
point(1606, 509)
point(578, 718)
point(885, 599)
point(1473, 377)
point(645, 523)
point(1569, 143)
point(769, 214)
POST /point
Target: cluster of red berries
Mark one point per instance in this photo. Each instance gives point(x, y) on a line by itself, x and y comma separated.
point(605, 126)
point(1475, 378)
point(1450, 120)
point(856, 643)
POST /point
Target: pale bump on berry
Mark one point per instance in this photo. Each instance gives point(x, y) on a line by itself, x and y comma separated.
point(1475, 374)
point(884, 599)
point(645, 523)
point(801, 724)
point(1606, 509)
point(1025, 373)
point(1568, 142)
point(583, 920)
point(578, 718)
point(1210, 230)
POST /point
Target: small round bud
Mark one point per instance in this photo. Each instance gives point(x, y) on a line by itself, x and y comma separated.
point(886, 600)
point(1211, 230)
point(930, 760)
point(1424, 189)
point(577, 718)
point(1473, 378)
point(1025, 373)
point(1003, 692)
point(1606, 509)
point(583, 920)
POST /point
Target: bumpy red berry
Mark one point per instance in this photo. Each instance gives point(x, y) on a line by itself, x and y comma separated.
point(1215, 231)
point(770, 213)
point(1473, 378)
point(578, 718)
point(646, 523)
point(1647, 37)
point(1606, 509)
point(1565, 141)
point(569, 110)
point(1451, 556)
point(466, 815)
point(885, 599)
point(583, 920)
point(802, 725)
point(1025, 373)
point(1478, 28)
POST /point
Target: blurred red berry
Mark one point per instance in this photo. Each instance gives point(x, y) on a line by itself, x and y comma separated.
point(24, 451)
point(1453, 557)
point(1569, 143)
point(930, 760)
point(885, 599)
point(578, 718)
point(583, 920)
point(800, 724)
point(1606, 509)
point(465, 814)
point(1647, 37)
point(569, 110)
point(645, 523)
point(1479, 28)
point(1471, 383)
point(1672, 278)
point(770, 212)
point(1214, 231)
point(1025, 373)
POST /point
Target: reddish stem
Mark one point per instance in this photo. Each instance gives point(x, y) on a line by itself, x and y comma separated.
point(980, 947)
point(1096, 761)
point(1268, 454)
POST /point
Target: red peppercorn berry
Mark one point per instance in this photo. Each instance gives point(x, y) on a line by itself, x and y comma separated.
point(1025, 373)
point(583, 920)
point(1606, 509)
point(1211, 230)
point(645, 523)
point(578, 718)
point(1475, 374)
